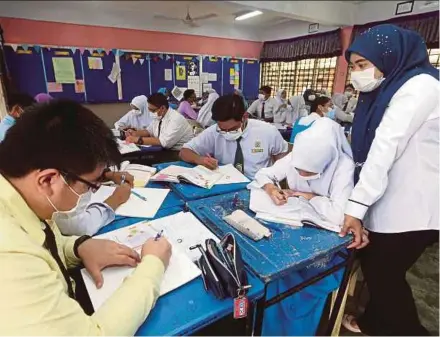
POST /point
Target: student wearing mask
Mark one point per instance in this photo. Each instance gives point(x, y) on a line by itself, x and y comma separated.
point(247, 144)
point(186, 107)
point(264, 108)
point(282, 107)
point(43, 98)
point(350, 104)
point(139, 118)
point(70, 149)
point(321, 107)
point(16, 105)
point(395, 142)
point(297, 110)
point(240, 93)
point(169, 129)
point(205, 114)
point(309, 97)
point(319, 169)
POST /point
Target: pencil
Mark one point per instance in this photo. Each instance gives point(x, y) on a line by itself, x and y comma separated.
point(138, 195)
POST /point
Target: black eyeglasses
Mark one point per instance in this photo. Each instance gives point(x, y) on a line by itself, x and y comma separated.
point(92, 186)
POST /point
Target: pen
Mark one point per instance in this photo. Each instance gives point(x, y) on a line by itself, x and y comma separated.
point(123, 179)
point(158, 235)
point(277, 184)
point(138, 195)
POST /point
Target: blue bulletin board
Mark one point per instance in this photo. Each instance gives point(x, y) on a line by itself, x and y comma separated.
point(99, 88)
point(190, 64)
point(251, 78)
point(158, 64)
point(213, 65)
point(135, 75)
point(232, 73)
point(74, 91)
point(26, 69)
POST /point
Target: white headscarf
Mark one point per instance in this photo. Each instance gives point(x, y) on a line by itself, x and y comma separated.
point(205, 114)
point(140, 102)
point(136, 120)
point(319, 149)
point(278, 96)
point(298, 109)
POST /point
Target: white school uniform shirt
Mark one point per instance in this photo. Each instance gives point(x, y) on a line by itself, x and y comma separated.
point(174, 130)
point(324, 149)
point(398, 189)
point(96, 216)
point(260, 141)
point(270, 106)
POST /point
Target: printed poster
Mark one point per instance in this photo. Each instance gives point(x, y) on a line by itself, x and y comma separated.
point(168, 74)
point(204, 77)
point(212, 77)
point(54, 87)
point(180, 73)
point(194, 83)
point(79, 86)
point(192, 69)
point(95, 63)
point(64, 69)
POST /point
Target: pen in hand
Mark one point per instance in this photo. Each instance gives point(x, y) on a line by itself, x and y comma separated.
point(158, 235)
point(133, 192)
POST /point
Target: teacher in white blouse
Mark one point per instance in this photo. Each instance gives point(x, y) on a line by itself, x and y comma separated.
point(395, 142)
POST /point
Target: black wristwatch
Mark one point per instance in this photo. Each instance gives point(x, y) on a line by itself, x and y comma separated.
point(78, 242)
point(140, 141)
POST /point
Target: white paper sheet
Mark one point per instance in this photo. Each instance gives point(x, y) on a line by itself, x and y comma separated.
point(206, 87)
point(115, 73)
point(135, 207)
point(168, 74)
point(184, 230)
point(125, 148)
point(212, 77)
point(194, 83)
point(177, 93)
point(230, 175)
point(179, 272)
point(204, 77)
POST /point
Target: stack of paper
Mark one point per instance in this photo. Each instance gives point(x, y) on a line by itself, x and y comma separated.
point(292, 213)
point(180, 271)
point(135, 206)
point(125, 148)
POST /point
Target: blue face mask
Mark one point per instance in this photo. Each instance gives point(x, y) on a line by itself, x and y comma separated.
point(331, 114)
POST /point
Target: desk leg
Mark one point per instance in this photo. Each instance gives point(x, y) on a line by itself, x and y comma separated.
point(341, 293)
point(259, 314)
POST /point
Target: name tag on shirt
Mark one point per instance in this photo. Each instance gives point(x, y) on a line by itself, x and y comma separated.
point(257, 147)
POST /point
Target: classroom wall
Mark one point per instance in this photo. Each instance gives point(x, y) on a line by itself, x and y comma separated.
point(109, 112)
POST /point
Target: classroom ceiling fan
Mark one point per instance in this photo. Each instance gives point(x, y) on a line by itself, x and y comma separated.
point(188, 20)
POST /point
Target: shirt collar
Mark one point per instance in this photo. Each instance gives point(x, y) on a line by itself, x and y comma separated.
point(17, 207)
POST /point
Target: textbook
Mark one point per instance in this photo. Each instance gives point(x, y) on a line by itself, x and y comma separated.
point(201, 176)
point(141, 173)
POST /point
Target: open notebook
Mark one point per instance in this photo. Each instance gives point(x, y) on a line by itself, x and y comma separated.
point(296, 212)
point(180, 270)
point(141, 173)
point(201, 176)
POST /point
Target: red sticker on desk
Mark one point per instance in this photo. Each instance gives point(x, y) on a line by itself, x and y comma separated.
point(240, 307)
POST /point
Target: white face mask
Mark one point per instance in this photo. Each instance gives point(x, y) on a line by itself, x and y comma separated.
point(311, 98)
point(233, 135)
point(67, 218)
point(136, 112)
point(364, 80)
point(261, 97)
point(348, 94)
point(314, 177)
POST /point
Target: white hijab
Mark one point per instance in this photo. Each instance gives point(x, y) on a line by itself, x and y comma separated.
point(142, 120)
point(319, 149)
point(278, 96)
point(298, 109)
point(205, 114)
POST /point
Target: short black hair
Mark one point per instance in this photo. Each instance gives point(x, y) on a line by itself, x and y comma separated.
point(350, 86)
point(266, 89)
point(188, 93)
point(158, 100)
point(228, 107)
point(60, 134)
point(320, 100)
point(20, 99)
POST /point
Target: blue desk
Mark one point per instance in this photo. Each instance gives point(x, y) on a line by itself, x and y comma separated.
point(172, 199)
point(191, 192)
point(188, 308)
point(288, 250)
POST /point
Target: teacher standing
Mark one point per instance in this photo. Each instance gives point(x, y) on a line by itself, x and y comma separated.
point(395, 142)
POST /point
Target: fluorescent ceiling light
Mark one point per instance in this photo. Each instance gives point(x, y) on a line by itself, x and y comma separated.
point(248, 15)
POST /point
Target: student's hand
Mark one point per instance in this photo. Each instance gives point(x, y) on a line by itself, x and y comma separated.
point(99, 254)
point(279, 197)
point(130, 132)
point(132, 139)
point(120, 195)
point(306, 195)
point(160, 248)
point(117, 177)
point(209, 162)
point(354, 226)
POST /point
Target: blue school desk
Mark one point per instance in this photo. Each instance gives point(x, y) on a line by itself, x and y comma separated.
point(190, 307)
point(288, 251)
point(191, 192)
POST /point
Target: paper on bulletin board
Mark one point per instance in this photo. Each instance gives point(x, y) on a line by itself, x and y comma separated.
point(168, 74)
point(79, 86)
point(236, 86)
point(231, 72)
point(54, 87)
point(236, 80)
point(207, 86)
point(115, 73)
point(95, 63)
point(194, 83)
point(180, 73)
point(64, 69)
point(231, 80)
point(204, 77)
point(212, 77)
point(237, 67)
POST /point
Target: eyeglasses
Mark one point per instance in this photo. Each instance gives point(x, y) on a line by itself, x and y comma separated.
point(232, 131)
point(92, 186)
